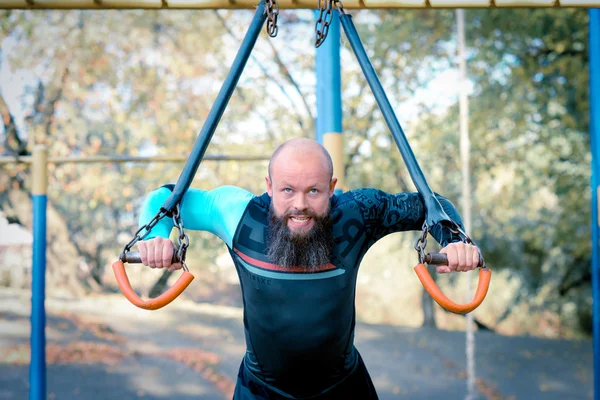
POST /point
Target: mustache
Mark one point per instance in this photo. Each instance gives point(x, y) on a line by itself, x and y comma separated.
point(300, 213)
point(294, 213)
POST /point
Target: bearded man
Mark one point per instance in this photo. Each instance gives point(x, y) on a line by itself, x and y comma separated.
point(297, 249)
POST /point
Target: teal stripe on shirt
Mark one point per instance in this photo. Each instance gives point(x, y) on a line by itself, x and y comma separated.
point(218, 211)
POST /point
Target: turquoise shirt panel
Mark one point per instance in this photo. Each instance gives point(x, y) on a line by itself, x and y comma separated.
point(217, 211)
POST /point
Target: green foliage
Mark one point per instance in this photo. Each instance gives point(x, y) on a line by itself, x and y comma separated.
point(529, 141)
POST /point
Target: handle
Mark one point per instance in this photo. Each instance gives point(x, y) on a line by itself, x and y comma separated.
point(483, 285)
point(152, 304)
point(442, 259)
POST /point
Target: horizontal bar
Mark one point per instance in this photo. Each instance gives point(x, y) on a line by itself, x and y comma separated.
point(125, 159)
point(287, 4)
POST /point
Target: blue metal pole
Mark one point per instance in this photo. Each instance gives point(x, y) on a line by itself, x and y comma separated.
point(37, 366)
point(594, 72)
point(329, 98)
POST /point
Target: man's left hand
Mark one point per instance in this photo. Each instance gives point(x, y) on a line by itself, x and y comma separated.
point(462, 257)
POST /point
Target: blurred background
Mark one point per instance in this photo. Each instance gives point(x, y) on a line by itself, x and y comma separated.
point(141, 82)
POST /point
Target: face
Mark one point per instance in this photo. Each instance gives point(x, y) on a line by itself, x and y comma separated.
point(300, 188)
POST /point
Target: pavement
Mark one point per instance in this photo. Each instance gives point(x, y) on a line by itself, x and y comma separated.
point(101, 347)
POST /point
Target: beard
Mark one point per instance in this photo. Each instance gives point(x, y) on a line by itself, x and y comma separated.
point(308, 250)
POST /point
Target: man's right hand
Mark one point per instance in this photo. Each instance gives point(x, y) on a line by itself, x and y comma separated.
point(158, 253)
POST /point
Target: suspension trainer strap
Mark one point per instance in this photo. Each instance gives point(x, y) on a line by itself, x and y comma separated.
point(435, 212)
point(216, 112)
point(171, 206)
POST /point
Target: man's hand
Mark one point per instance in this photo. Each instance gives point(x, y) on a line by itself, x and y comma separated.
point(462, 257)
point(158, 253)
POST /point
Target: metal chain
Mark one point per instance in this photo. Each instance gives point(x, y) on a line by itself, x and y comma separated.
point(183, 241)
point(455, 229)
point(272, 14)
point(323, 22)
point(325, 8)
point(136, 237)
point(421, 243)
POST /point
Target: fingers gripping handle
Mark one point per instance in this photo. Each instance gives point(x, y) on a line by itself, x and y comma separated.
point(483, 285)
point(152, 304)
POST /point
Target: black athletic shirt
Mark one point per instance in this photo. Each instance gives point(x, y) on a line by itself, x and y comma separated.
point(299, 325)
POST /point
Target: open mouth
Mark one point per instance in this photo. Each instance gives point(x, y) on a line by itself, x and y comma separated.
point(300, 221)
point(300, 218)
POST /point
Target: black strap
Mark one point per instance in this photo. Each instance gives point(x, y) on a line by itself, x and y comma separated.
point(214, 116)
point(434, 211)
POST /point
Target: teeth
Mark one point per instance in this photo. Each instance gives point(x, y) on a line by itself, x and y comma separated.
point(301, 219)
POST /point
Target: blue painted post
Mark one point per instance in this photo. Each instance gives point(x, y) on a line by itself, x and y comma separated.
point(37, 366)
point(329, 99)
point(594, 72)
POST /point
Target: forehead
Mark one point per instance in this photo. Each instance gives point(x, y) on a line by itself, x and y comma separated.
point(310, 169)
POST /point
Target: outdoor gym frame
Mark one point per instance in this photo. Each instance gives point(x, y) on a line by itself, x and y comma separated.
point(329, 129)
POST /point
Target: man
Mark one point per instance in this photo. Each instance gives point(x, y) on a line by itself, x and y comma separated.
point(297, 249)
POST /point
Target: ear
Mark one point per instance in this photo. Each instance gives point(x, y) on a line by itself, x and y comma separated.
point(332, 186)
point(269, 186)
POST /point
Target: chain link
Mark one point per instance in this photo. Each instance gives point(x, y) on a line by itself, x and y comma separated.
point(148, 227)
point(183, 241)
point(325, 17)
point(323, 22)
point(421, 243)
point(272, 14)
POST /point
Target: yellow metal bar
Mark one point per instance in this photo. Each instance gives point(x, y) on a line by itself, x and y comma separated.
point(459, 3)
point(40, 171)
point(579, 3)
point(332, 141)
point(67, 4)
point(287, 4)
point(524, 3)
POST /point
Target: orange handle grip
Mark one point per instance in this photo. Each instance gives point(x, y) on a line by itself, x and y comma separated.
point(485, 275)
point(153, 304)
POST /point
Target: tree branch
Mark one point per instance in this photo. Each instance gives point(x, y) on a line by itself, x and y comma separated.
point(12, 140)
point(284, 71)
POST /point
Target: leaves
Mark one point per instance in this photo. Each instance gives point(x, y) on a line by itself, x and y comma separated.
point(142, 83)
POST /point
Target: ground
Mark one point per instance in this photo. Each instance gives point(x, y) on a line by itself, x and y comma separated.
point(101, 347)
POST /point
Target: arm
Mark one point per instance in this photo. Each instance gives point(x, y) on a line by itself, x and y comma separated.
point(217, 211)
point(405, 212)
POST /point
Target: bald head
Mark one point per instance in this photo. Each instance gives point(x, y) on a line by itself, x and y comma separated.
point(301, 148)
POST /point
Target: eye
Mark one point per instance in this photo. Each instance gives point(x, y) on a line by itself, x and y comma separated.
point(287, 190)
point(313, 191)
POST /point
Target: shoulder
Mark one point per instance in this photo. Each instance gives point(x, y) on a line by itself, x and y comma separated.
point(365, 197)
point(232, 193)
point(262, 202)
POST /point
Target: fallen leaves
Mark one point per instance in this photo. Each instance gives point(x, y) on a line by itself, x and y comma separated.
point(78, 352)
point(205, 363)
point(98, 329)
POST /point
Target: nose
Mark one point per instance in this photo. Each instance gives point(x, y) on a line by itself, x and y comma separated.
point(300, 203)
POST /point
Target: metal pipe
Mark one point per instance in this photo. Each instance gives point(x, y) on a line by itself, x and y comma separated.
point(329, 99)
point(465, 156)
point(37, 365)
point(594, 73)
point(286, 4)
point(126, 159)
